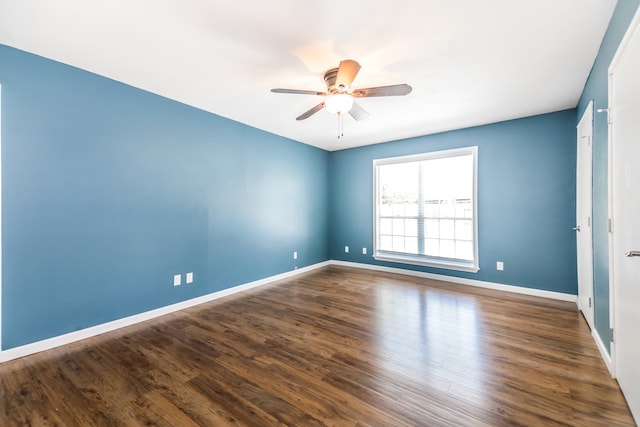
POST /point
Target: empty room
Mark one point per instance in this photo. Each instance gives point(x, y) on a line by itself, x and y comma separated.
point(390, 213)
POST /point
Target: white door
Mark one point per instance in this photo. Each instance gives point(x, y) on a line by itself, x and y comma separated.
point(584, 234)
point(624, 104)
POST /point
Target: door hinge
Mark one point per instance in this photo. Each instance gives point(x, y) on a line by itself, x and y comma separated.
point(609, 114)
point(589, 302)
point(609, 225)
point(588, 221)
point(611, 335)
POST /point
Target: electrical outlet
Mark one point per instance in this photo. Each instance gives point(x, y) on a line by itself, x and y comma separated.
point(189, 278)
point(346, 249)
point(364, 251)
point(295, 255)
point(177, 279)
point(499, 266)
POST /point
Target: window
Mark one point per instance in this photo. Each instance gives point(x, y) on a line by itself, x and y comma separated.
point(425, 209)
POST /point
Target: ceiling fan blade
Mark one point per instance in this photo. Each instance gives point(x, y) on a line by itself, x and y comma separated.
point(298, 91)
point(357, 112)
point(310, 112)
point(347, 71)
point(393, 90)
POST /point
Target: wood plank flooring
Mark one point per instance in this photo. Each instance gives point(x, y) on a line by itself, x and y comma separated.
point(336, 346)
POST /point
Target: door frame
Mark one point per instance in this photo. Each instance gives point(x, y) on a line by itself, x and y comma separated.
point(633, 28)
point(0, 221)
point(612, 289)
point(588, 311)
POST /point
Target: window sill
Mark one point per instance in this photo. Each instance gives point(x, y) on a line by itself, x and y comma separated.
point(444, 264)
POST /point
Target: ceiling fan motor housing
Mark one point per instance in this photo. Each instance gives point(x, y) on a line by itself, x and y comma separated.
point(330, 79)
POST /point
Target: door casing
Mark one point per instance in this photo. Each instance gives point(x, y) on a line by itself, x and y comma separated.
point(584, 202)
point(624, 297)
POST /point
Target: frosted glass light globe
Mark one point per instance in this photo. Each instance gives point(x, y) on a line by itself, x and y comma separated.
point(339, 103)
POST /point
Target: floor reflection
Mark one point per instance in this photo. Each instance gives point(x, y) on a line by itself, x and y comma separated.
point(432, 333)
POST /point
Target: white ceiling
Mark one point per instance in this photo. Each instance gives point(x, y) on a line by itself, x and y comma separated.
point(469, 62)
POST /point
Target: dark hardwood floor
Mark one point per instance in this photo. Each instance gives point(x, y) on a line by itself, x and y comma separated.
point(336, 346)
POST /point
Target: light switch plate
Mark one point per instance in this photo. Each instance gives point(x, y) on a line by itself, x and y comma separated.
point(189, 278)
point(177, 279)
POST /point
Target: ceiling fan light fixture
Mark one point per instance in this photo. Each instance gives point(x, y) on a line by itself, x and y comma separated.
point(339, 97)
point(338, 103)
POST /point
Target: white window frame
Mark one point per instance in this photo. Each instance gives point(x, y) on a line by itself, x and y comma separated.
point(430, 261)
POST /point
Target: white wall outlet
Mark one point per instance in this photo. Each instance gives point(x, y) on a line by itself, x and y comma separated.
point(295, 255)
point(177, 279)
point(364, 251)
point(189, 278)
point(346, 249)
point(499, 266)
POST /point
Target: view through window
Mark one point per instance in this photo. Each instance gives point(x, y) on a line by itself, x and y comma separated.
point(425, 209)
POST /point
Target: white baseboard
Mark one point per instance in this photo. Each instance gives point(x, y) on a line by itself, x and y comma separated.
point(603, 351)
point(25, 350)
point(462, 281)
point(36, 347)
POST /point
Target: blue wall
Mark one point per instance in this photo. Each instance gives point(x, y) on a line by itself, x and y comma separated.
point(526, 192)
point(108, 191)
point(596, 89)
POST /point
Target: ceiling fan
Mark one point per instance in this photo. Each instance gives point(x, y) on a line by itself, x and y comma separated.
point(339, 97)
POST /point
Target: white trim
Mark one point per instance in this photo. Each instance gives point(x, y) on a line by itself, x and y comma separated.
point(633, 27)
point(584, 239)
point(462, 281)
point(0, 219)
point(612, 358)
point(440, 263)
point(71, 337)
point(425, 260)
point(631, 30)
point(603, 351)
point(430, 155)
